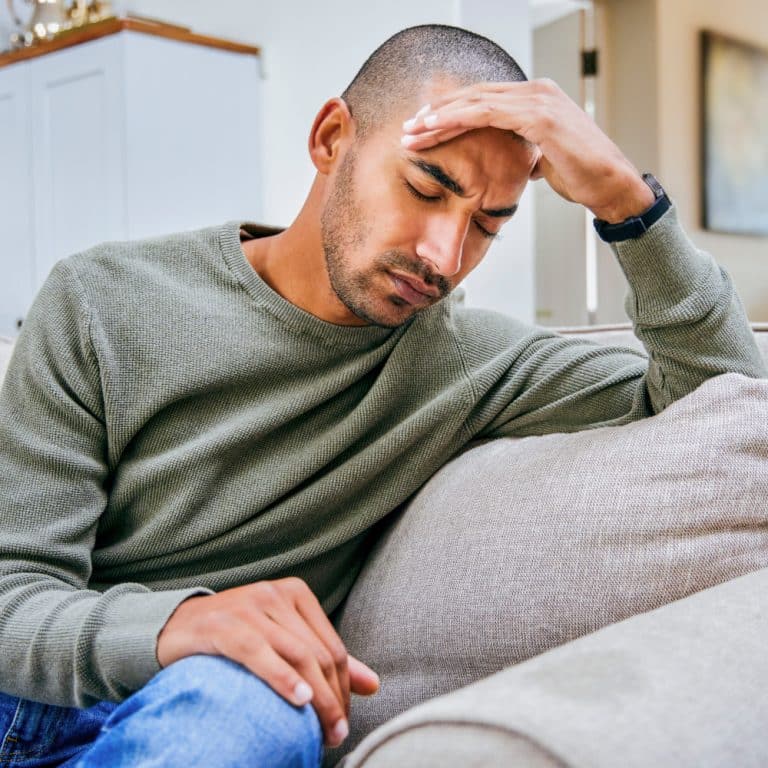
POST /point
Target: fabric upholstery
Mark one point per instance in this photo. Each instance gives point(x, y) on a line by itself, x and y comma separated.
point(520, 545)
point(682, 686)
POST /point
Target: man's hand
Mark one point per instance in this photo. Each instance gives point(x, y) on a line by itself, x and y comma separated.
point(577, 159)
point(279, 631)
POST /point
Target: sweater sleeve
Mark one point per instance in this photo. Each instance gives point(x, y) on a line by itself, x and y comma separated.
point(63, 643)
point(685, 311)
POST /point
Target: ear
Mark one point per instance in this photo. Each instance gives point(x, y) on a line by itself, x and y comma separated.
point(332, 130)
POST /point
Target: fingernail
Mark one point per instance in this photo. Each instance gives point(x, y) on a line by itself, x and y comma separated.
point(339, 732)
point(302, 693)
point(424, 109)
point(408, 124)
point(408, 140)
point(430, 121)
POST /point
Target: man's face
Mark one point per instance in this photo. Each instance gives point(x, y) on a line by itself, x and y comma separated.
point(401, 229)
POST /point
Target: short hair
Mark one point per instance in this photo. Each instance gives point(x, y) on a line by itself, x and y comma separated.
point(393, 74)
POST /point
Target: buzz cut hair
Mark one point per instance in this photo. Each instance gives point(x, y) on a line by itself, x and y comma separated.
point(392, 76)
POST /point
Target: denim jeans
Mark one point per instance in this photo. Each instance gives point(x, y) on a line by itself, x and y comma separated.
point(200, 711)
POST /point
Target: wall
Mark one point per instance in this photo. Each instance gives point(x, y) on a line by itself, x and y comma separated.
point(561, 284)
point(629, 89)
point(652, 92)
point(677, 29)
point(310, 52)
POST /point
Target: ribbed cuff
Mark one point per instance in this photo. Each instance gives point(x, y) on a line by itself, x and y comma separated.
point(125, 652)
point(670, 279)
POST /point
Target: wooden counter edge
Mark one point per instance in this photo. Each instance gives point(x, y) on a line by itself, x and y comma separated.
point(88, 32)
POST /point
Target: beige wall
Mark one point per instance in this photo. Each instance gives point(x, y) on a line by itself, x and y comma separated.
point(652, 93)
point(678, 25)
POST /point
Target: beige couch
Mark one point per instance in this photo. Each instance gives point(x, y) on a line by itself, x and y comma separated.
point(594, 599)
point(617, 577)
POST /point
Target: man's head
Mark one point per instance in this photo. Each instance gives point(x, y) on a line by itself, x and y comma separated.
point(402, 228)
point(397, 71)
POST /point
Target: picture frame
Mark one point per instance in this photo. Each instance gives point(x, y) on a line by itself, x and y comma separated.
point(734, 142)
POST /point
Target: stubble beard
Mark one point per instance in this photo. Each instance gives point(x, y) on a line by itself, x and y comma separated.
point(344, 232)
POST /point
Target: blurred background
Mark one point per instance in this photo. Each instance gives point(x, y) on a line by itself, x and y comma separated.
point(125, 127)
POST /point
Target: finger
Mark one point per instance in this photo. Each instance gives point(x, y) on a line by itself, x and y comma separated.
point(288, 617)
point(500, 112)
point(468, 93)
point(310, 609)
point(325, 700)
point(362, 678)
point(430, 139)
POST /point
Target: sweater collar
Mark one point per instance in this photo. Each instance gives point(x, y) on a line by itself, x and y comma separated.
point(362, 337)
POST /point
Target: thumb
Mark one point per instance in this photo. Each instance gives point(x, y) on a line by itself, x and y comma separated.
point(362, 679)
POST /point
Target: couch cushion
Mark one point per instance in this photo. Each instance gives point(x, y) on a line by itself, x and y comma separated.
point(6, 347)
point(519, 545)
point(682, 685)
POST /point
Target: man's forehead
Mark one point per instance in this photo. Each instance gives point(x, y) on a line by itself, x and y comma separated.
point(476, 159)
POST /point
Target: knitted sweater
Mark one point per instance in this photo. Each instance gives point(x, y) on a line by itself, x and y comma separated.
point(171, 426)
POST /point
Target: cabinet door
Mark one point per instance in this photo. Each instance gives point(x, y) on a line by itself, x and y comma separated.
point(16, 226)
point(75, 100)
point(193, 135)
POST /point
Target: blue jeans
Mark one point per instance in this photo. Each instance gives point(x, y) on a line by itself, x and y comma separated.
point(202, 710)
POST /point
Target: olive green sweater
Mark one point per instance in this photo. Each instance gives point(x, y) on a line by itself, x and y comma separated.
point(169, 425)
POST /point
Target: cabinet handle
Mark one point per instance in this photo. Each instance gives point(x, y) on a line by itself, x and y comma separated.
point(19, 322)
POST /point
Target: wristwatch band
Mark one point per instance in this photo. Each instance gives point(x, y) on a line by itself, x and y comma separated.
point(635, 226)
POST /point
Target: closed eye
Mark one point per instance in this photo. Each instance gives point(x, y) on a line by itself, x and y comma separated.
point(420, 195)
point(434, 198)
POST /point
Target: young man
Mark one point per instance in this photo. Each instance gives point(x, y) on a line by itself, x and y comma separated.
point(198, 433)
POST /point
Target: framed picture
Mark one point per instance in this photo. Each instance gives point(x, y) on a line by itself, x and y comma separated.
point(735, 136)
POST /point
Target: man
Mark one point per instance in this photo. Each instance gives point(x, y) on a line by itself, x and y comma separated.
point(200, 432)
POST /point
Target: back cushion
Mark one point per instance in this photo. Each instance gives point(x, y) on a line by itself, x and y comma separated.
point(519, 545)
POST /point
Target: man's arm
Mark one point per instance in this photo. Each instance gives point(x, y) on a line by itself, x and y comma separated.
point(531, 381)
point(63, 643)
point(682, 304)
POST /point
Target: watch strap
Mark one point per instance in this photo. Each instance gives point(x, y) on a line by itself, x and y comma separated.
point(635, 226)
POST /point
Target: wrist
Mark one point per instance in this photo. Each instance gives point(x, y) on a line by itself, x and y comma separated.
point(636, 198)
point(176, 639)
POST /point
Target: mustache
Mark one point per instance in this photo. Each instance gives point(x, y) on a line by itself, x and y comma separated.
point(417, 268)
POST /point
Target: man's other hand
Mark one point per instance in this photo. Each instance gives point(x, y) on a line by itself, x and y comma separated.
point(279, 631)
point(577, 159)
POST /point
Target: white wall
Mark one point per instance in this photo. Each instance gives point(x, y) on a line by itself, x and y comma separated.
point(560, 254)
point(310, 52)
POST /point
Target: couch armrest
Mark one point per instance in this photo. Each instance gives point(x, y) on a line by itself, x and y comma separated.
point(683, 685)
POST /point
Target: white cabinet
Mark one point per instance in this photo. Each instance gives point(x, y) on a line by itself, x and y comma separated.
point(17, 282)
point(123, 137)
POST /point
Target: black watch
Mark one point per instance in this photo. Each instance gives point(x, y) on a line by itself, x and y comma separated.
point(635, 226)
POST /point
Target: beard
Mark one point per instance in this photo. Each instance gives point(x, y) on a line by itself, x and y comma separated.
point(344, 233)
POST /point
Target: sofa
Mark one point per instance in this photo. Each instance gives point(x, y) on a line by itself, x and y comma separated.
point(585, 600)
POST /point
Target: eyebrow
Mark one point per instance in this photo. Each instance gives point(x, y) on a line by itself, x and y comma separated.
point(442, 178)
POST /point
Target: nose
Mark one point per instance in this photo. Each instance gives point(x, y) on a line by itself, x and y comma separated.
point(442, 243)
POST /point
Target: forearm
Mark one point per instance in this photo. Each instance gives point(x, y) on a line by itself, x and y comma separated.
point(74, 647)
point(61, 642)
point(686, 312)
